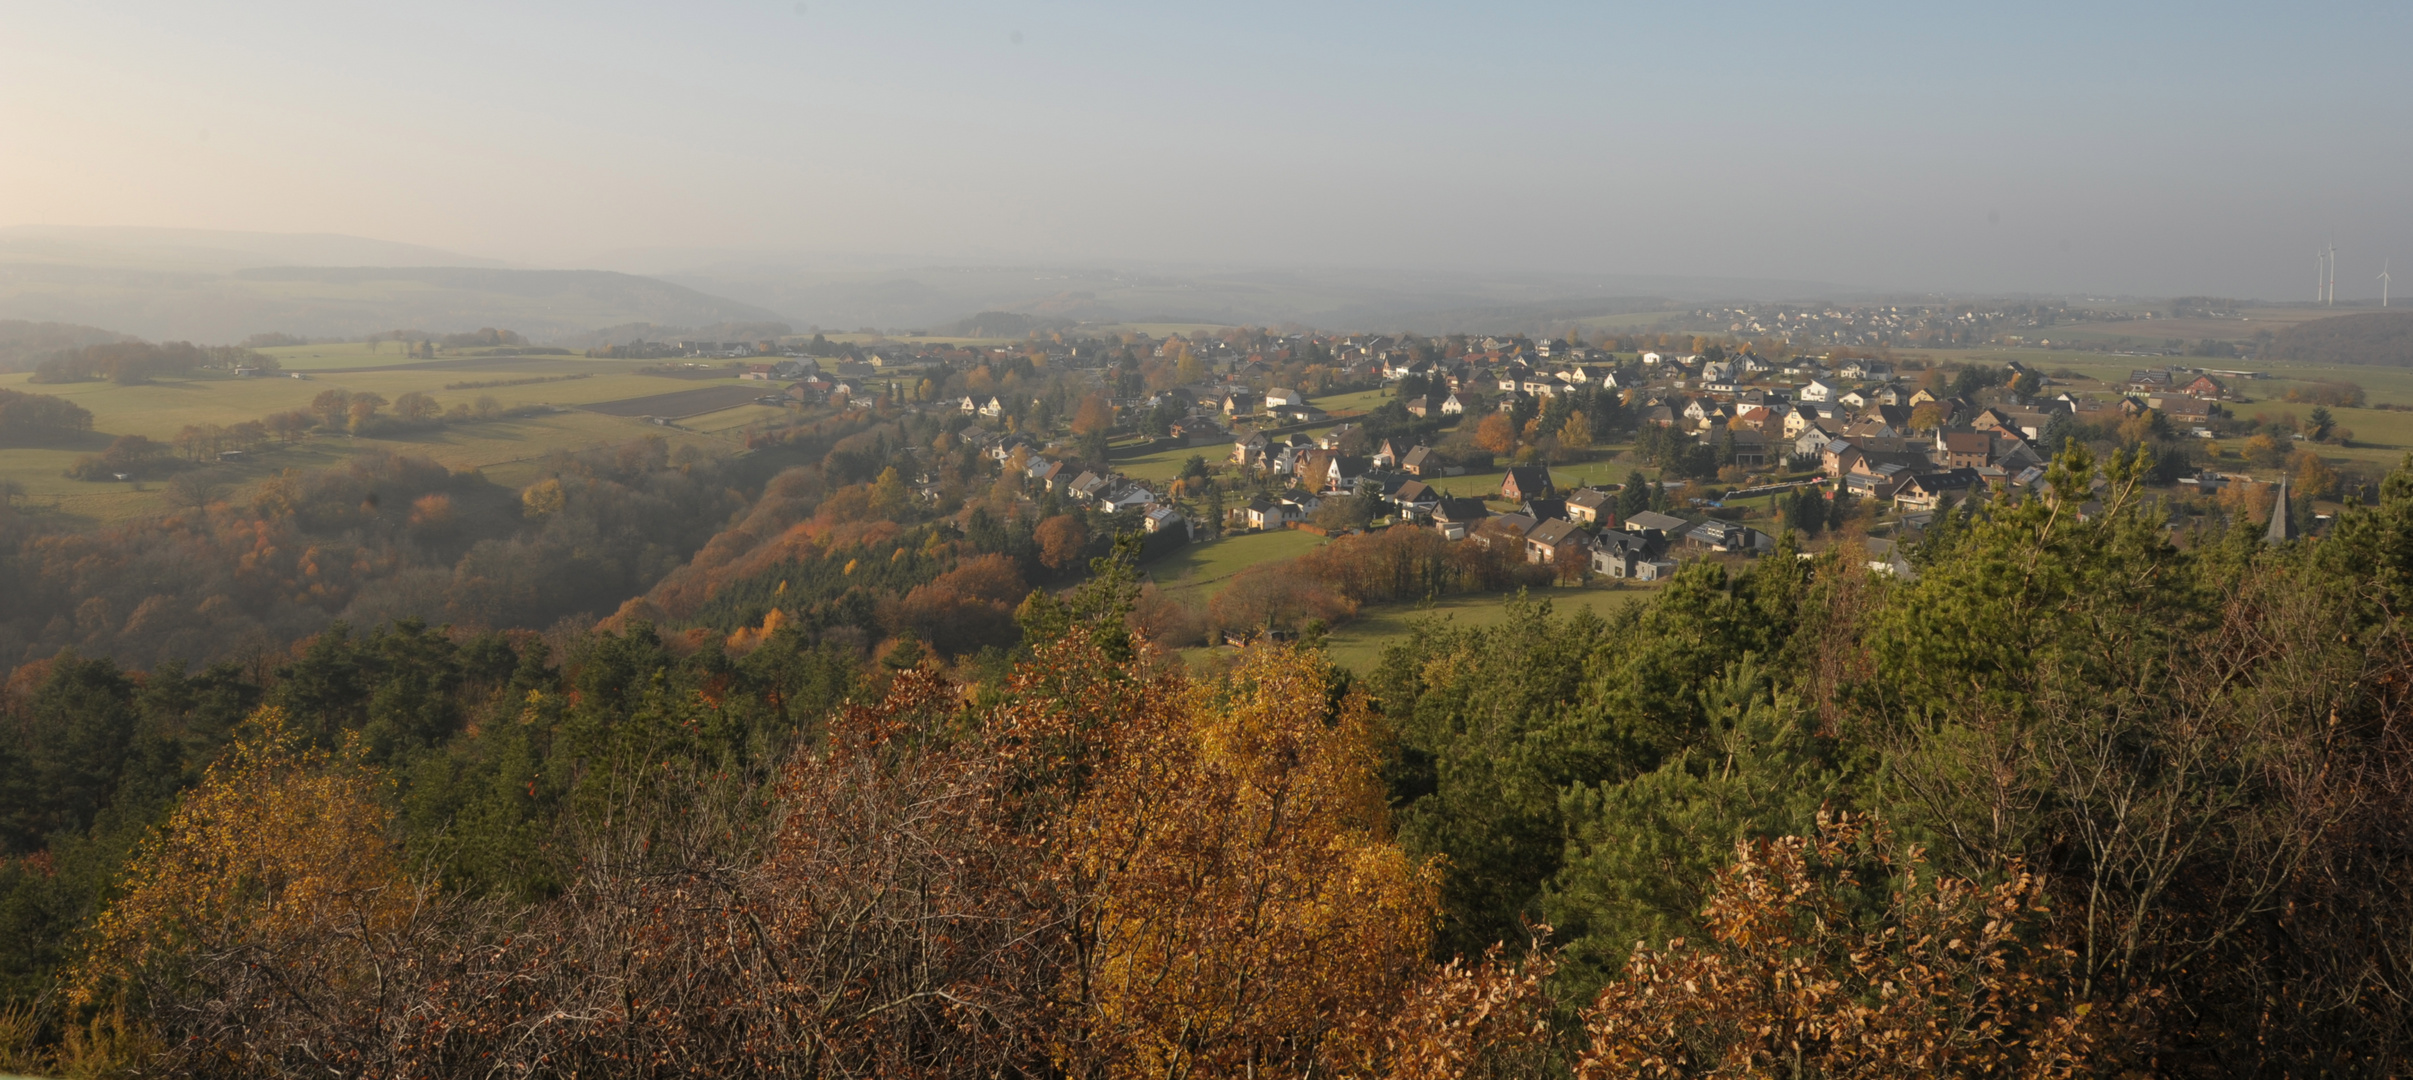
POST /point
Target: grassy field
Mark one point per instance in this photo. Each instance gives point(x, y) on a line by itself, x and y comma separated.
point(1166, 464)
point(1352, 404)
point(1359, 643)
point(2382, 438)
point(160, 409)
point(1200, 569)
point(1196, 572)
point(2152, 332)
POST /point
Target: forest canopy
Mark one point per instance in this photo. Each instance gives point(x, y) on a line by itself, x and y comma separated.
point(2383, 338)
point(2075, 799)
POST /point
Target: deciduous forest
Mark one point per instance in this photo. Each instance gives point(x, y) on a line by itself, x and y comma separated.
point(2072, 799)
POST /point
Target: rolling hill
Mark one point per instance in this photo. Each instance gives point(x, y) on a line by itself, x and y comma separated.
point(221, 287)
point(2382, 338)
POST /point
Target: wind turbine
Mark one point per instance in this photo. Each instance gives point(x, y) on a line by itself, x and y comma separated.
point(2383, 283)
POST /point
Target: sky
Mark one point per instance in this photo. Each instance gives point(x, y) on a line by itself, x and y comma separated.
point(2144, 149)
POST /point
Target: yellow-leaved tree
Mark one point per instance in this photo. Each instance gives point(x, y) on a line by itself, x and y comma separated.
point(258, 908)
point(1248, 900)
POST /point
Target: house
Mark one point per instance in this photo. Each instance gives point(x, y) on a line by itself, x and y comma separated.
point(1525, 481)
point(1631, 555)
point(1386, 456)
point(1416, 499)
point(1049, 474)
point(1420, 462)
point(1726, 536)
point(1457, 518)
point(1279, 397)
point(2185, 411)
point(1261, 513)
point(1239, 403)
point(1165, 519)
point(1811, 442)
point(1197, 430)
point(1087, 486)
point(2146, 382)
point(1715, 535)
point(1550, 538)
point(1345, 471)
point(1250, 452)
point(1873, 479)
point(1649, 523)
point(1592, 506)
point(1750, 447)
point(1963, 449)
point(1124, 499)
point(1546, 509)
point(2204, 387)
point(994, 408)
point(1500, 529)
point(1929, 491)
point(1842, 456)
point(1817, 390)
point(1004, 448)
point(1886, 557)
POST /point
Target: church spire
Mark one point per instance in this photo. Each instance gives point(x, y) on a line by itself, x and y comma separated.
point(2283, 518)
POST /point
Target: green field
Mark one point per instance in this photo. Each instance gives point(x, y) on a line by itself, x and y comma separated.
point(161, 408)
point(1164, 465)
point(2382, 438)
point(1359, 643)
point(1196, 572)
point(1353, 404)
point(1200, 569)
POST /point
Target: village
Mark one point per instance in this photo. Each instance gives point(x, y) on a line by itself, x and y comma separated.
point(1504, 442)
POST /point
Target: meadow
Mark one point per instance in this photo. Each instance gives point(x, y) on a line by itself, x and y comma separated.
point(2382, 438)
point(504, 447)
point(1359, 643)
point(1200, 569)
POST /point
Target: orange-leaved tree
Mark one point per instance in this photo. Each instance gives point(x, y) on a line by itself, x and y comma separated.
point(1094, 416)
point(1496, 433)
point(1247, 900)
point(1805, 973)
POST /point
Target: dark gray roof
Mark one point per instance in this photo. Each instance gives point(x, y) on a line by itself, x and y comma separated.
point(1654, 520)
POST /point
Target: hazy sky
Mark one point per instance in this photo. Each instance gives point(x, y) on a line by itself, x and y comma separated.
point(2151, 148)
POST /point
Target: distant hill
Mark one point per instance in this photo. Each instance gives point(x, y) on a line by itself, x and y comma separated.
point(228, 305)
point(212, 249)
point(23, 343)
point(938, 297)
point(2380, 338)
point(1003, 324)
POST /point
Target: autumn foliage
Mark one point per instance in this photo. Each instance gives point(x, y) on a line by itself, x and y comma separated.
point(1942, 977)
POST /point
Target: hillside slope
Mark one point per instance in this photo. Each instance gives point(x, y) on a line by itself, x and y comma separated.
point(2383, 338)
point(228, 305)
